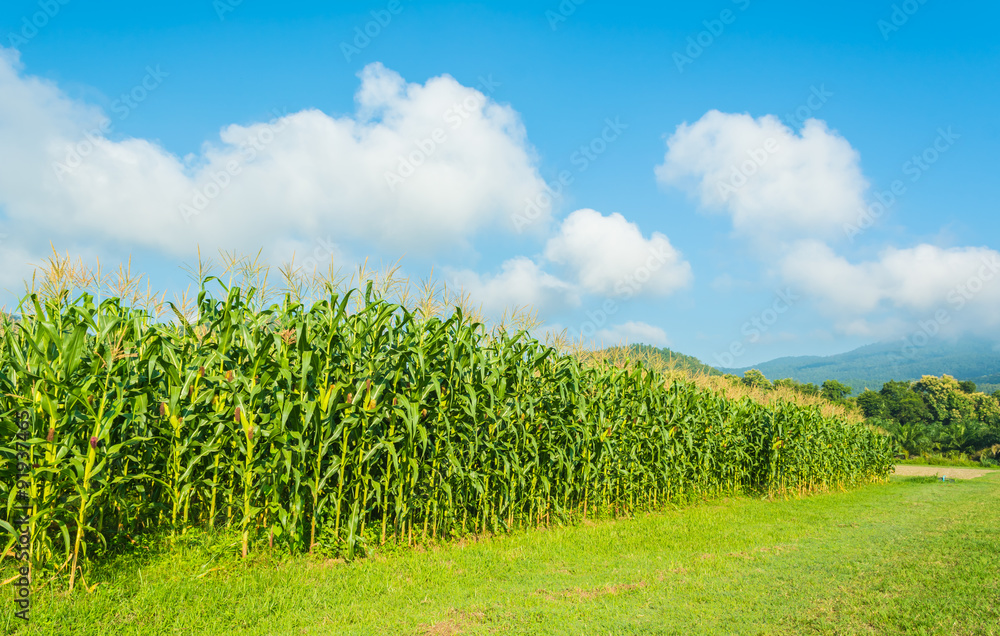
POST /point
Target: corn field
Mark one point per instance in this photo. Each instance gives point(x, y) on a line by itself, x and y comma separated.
point(356, 420)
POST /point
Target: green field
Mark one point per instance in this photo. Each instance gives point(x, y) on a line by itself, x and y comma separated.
point(911, 556)
point(355, 422)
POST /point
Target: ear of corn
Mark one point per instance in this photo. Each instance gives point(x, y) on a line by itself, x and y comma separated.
point(290, 422)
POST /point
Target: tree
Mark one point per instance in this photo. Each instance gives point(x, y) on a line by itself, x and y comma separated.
point(967, 386)
point(902, 404)
point(945, 400)
point(872, 404)
point(754, 378)
point(835, 391)
point(987, 410)
point(795, 385)
point(912, 439)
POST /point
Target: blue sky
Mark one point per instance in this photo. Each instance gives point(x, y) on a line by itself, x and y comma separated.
point(778, 263)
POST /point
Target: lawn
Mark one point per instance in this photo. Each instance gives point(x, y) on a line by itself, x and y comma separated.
point(912, 556)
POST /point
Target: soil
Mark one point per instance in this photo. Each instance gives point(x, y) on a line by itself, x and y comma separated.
point(941, 471)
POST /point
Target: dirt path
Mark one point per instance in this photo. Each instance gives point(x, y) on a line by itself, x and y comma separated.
point(946, 471)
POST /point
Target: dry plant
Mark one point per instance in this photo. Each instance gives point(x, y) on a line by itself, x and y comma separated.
point(622, 357)
point(60, 278)
point(735, 389)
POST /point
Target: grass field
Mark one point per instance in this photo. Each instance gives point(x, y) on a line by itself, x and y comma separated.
point(911, 556)
point(944, 461)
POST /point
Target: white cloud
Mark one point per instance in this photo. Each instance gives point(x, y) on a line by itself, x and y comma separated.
point(632, 332)
point(725, 283)
point(609, 256)
point(14, 267)
point(772, 181)
point(306, 174)
point(920, 281)
point(602, 255)
point(520, 283)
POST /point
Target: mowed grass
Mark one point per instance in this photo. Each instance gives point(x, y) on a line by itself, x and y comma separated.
point(912, 556)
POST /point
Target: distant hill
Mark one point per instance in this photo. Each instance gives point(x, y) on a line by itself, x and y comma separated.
point(970, 358)
point(674, 360)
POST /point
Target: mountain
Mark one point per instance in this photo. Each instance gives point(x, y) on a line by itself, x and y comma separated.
point(674, 360)
point(969, 358)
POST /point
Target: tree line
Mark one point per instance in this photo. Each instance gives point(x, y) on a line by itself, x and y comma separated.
point(932, 415)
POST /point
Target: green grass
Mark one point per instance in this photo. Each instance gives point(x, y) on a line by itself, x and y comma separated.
point(940, 460)
point(911, 556)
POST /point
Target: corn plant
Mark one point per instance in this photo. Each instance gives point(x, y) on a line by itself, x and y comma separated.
point(358, 420)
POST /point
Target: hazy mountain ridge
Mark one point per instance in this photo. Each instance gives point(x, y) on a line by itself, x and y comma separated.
point(871, 366)
point(674, 359)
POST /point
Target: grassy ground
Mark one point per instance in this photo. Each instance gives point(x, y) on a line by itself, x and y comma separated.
point(937, 460)
point(913, 556)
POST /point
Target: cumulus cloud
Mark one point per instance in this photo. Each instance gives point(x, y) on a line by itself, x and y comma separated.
point(605, 256)
point(417, 167)
point(632, 332)
point(14, 267)
point(520, 283)
point(796, 191)
point(725, 283)
point(609, 256)
point(920, 281)
point(772, 181)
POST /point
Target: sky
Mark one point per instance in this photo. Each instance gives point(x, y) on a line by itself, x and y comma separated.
point(737, 179)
